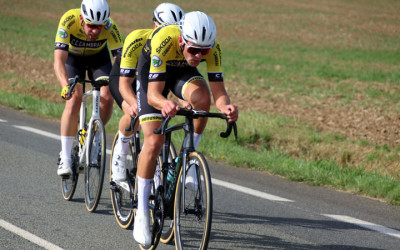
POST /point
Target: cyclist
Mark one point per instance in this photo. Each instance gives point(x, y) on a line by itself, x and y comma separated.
point(83, 43)
point(123, 84)
point(168, 62)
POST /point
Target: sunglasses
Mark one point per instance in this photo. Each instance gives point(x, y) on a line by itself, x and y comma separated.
point(94, 26)
point(195, 50)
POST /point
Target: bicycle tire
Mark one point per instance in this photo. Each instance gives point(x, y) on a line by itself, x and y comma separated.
point(68, 184)
point(95, 167)
point(167, 233)
point(195, 219)
point(121, 198)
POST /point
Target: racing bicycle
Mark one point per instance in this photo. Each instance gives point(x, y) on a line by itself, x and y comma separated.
point(122, 192)
point(89, 147)
point(177, 210)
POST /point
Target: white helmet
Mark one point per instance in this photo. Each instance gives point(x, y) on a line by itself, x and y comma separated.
point(167, 13)
point(198, 28)
point(95, 11)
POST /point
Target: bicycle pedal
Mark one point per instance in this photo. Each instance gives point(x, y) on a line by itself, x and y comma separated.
point(113, 186)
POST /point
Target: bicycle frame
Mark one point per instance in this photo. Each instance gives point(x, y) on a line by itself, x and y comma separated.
point(95, 93)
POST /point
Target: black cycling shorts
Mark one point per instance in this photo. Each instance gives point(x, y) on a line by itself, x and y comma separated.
point(176, 79)
point(97, 66)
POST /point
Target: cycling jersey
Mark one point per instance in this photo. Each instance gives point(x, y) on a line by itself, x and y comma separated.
point(71, 37)
point(133, 45)
point(125, 63)
point(163, 51)
point(162, 60)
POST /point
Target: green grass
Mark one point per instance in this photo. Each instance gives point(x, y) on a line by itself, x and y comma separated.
point(290, 49)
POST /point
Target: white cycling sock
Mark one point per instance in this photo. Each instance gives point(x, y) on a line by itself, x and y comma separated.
point(144, 188)
point(122, 144)
point(66, 147)
point(196, 140)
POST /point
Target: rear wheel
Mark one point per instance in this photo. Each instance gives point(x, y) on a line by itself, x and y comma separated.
point(193, 212)
point(121, 192)
point(68, 183)
point(94, 172)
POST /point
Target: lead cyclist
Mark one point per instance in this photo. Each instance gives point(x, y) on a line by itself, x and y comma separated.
point(168, 63)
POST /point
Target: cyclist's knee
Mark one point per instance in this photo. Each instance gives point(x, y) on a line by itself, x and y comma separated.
point(72, 106)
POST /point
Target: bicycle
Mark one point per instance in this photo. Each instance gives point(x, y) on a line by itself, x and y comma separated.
point(92, 164)
point(190, 211)
point(122, 197)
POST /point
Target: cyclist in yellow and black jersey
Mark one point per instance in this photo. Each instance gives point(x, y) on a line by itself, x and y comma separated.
point(72, 38)
point(123, 84)
point(168, 63)
point(83, 43)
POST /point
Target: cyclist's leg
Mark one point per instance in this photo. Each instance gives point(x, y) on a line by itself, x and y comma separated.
point(101, 66)
point(69, 118)
point(150, 118)
point(192, 87)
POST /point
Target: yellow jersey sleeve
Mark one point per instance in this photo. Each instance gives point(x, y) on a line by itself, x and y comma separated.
point(71, 37)
point(213, 60)
point(133, 46)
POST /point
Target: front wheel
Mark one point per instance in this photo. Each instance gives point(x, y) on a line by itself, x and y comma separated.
point(68, 183)
point(193, 210)
point(94, 172)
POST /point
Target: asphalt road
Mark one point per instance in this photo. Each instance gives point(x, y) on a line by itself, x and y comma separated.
point(252, 210)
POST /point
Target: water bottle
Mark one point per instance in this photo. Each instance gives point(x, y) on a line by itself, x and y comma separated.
point(171, 178)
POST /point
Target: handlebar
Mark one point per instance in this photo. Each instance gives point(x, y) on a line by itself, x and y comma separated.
point(194, 114)
point(72, 83)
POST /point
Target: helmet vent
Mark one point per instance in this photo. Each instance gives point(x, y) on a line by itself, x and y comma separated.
point(91, 13)
point(105, 15)
point(173, 14)
point(204, 33)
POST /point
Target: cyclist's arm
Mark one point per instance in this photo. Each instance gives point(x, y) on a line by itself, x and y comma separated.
point(158, 101)
point(125, 88)
point(222, 101)
point(60, 58)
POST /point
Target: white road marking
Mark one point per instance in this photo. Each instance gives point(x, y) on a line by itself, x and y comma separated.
point(365, 224)
point(39, 132)
point(248, 191)
point(28, 236)
point(1, 120)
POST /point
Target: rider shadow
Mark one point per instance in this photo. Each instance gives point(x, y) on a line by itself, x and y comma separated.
point(240, 236)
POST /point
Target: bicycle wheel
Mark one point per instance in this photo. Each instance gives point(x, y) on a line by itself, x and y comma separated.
point(121, 197)
point(68, 183)
point(193, 213)
point(167, 232)
point(94, 171)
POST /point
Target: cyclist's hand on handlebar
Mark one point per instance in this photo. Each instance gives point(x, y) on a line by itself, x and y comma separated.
point(231, 111)
point(185, 104)
point(133, 110)
point(65, 93)
point(170, 108)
